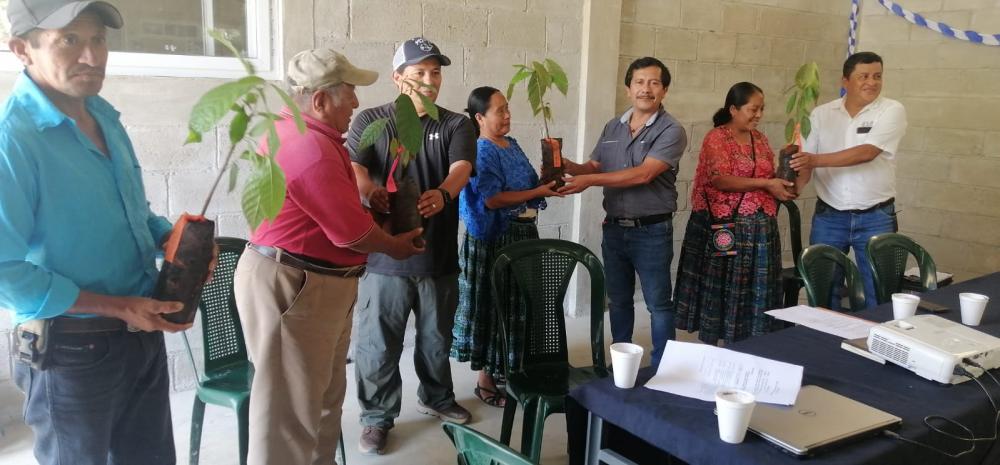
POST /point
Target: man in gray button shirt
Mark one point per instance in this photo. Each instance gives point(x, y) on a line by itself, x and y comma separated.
point(636, 161)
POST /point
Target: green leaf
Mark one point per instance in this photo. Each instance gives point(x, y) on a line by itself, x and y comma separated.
point(212, 106)
point(807, 75)
point(411, 132)
point(544, 79)
point(220, 37)
point(547, 112)
point(249, 156)
point(234, 175)
point(299, 122)
point(534, 94)
point(558, 76)
point(790, 106)
point(790, 131)
point(264, 193)
point(194, 137)
point(372, 133)
point(260, 127)
point(429, 106)
point(805, 128)
point(273, 142)
point(238, 126)
point(522, 73)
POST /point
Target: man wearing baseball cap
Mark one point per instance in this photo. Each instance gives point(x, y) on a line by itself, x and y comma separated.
point(427, 284)
point(78, 247)
point(298, 279)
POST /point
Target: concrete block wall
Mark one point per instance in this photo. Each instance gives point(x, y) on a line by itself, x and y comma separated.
point(948, 169)
point(711, 45)
point(483, 39)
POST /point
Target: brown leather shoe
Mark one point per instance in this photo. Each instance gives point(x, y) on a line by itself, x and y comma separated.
point(373, 440)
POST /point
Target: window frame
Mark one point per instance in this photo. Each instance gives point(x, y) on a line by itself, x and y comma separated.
point(264, 21)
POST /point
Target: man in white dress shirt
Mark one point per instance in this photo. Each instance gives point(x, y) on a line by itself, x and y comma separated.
point(852, 153)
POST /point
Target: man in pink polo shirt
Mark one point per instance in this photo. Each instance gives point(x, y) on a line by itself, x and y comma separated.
point(297, 282)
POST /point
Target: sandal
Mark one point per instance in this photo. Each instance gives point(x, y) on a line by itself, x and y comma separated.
point(491, 397)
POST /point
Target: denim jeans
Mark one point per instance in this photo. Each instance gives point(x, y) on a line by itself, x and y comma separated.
point(845, 230)
point(648, 251)
point(103, 399)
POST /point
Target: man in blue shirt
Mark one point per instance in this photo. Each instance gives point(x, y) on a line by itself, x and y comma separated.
point(77, 248)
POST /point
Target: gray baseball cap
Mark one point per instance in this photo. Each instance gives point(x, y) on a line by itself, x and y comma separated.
point(25, 15)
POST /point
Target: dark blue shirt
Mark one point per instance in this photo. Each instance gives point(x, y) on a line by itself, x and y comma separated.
point(498, 170)
point(71, 217)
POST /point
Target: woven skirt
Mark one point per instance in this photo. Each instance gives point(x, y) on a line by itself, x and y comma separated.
point(476, 334)
point(726, 297)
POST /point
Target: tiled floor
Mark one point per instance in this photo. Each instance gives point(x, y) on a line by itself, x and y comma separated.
point(416, 439)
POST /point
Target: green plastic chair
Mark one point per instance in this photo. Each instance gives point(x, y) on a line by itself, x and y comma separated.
point(475, 448)
point(542, 376)
point(887, 254)
point(228, 373)
point(791, 279)
point(819, 265)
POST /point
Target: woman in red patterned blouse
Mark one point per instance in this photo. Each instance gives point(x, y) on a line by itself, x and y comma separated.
point(728, 276)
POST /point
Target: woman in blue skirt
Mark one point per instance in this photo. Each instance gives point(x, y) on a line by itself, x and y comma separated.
point(499, 206)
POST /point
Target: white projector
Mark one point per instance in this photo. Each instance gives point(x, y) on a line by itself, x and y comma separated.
point(932, 347)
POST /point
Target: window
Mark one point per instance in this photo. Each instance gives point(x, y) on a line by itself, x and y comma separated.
point(170, 38)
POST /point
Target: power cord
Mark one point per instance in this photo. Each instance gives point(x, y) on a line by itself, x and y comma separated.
point(959, 371)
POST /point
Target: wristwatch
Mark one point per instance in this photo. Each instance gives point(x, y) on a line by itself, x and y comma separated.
point(445, 195)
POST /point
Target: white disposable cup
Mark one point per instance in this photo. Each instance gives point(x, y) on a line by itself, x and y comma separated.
point(734, 409)
point(973, 306)
point(625, 358)
point(904, 305)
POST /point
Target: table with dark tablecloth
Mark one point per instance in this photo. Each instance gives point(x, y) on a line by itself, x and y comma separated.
point(647, 425)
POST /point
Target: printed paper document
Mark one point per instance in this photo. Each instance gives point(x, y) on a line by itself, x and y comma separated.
point(698, 370)
point(823, 320)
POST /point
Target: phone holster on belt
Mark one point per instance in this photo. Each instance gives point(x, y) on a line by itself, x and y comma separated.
point(31, 341)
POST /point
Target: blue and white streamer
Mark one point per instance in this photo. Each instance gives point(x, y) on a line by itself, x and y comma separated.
point(970, 36)
point(852, 35)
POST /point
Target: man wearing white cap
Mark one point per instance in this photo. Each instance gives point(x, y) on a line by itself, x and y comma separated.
point(298, 279)
point(427, 284)
point(78, 247)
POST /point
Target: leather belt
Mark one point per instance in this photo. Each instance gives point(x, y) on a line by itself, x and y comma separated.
point(891, 201)
point(70, 325)
point(306, 263)
point(640, 221)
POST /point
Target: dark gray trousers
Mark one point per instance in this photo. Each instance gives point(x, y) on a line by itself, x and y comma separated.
point(384, 305)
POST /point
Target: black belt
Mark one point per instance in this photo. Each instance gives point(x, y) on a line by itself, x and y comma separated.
point(891, 201)
point(69, 325)
point(525, 219)
point(306, 263)
point(640, 221)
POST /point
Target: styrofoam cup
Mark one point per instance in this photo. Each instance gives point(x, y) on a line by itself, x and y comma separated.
point(973, 306)
point(904, 305)
point(625, 358)
point(734, 409)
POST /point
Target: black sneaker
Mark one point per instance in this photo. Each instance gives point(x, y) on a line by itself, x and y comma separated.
point(373, 440)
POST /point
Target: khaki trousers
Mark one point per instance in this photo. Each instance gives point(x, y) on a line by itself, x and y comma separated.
point(297, 326)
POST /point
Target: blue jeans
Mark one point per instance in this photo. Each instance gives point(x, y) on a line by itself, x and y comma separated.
point(103, 399)
point(845, 230)
point(648, 251)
